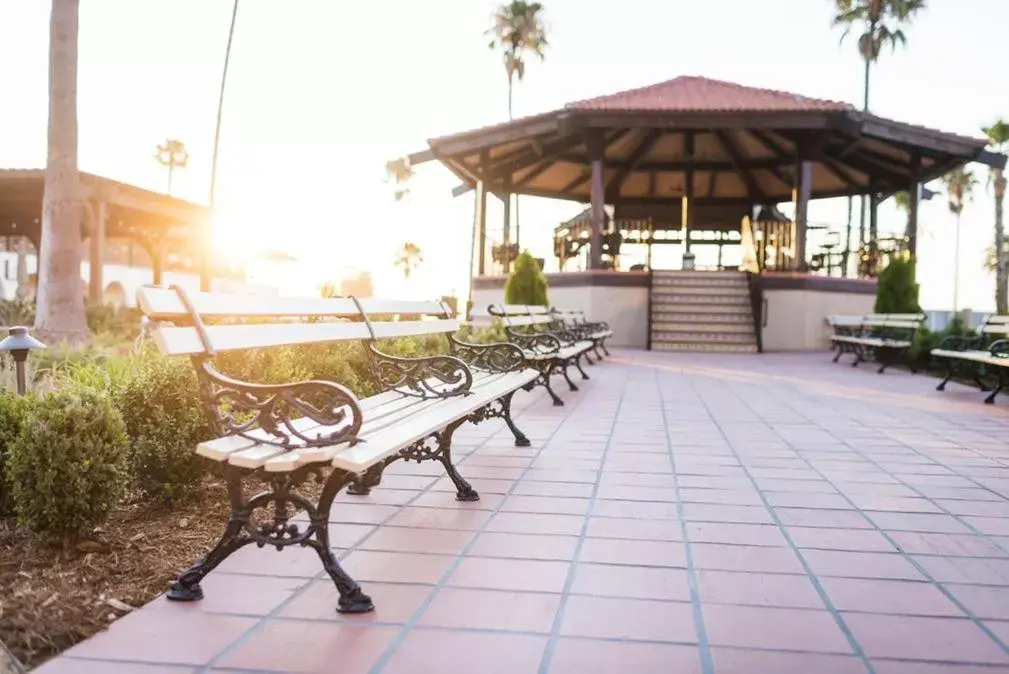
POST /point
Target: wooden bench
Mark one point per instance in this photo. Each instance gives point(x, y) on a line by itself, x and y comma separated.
point(882, 337)
point(596, 332)
point(983, 354)
point(551, 350)
point(284, 434)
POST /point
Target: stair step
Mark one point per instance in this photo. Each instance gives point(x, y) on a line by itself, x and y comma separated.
point(701, 283)
point(697, 315)
point(677, 273)
point(702, 327)
point(703, 348)
point(707, 289)
point(740, 301)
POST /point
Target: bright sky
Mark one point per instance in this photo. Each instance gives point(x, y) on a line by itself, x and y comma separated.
point(321, 93)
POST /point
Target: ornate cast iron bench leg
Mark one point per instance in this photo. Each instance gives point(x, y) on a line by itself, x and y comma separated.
point(999, 385)
point(544, 380)
point(567, 377)
point(278, 532)
point(837, 356)
point(506, 413)
point(438, 447)
point(578, 364)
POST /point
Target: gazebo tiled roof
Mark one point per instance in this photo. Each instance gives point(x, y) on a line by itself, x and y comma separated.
point(701, 94)
point(734, 144)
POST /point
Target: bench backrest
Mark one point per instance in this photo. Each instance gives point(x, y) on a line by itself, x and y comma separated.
point(206, 323)
point(995, 325)
point(903, 321)
point(521, 315)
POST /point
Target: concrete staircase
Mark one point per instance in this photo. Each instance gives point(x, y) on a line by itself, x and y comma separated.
point(707, 311)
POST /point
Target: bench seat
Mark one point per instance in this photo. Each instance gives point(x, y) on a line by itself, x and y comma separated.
point(875, 342)
point(977, 356)
point(392, 421)
point(565, 353)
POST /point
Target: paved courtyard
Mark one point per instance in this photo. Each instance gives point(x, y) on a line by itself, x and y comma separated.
point(683, 514)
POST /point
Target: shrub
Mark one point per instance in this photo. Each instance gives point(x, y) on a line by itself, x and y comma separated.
point(17, 311)
point(527, 284)
point(896, 289)
point(13, 412)
point(120, 321)
point(67, 467)
point(165, 421)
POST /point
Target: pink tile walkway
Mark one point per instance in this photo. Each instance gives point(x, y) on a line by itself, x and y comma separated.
point(681, 515)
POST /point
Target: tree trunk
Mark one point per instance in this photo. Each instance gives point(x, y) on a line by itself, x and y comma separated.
point(60, 310)
point(865, 108)
point(206, 267)
point(1001, 289)
point(511, 116)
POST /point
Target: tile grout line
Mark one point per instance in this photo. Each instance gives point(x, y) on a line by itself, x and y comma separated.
point(704, 646)
point(569, 581)
point(959, 518)
point(322, 574)
point(824, 597)
point(414, 618)
point(907, 556)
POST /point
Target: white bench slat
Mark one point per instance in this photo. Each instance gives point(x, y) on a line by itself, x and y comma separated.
point(977, 356)
point(177, 341)
point(520, 309)
point(373, 306)
point(164, 303)
point(379, 411)
point(519, 321)
point(378, 443)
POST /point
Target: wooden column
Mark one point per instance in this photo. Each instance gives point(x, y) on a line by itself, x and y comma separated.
point(873, 231)
point(803, 185)
point(597, 198)
point(206, 259)
point(481, 228)
point(96, 264)
point(158, 256)
point(506, 236)
point(913, 195)
point(687, 204)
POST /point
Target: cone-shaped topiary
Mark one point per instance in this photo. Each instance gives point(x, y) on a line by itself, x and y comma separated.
point(896, 289)
point(527, 284)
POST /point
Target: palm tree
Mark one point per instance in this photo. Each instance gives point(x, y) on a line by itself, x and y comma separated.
point(173, 155)
point(409, 258)
point(879, 23)
point(960, 185)
point(60, 309)
point(205, 271)
point(399, 173)
point(998, 139)
point(518, 32)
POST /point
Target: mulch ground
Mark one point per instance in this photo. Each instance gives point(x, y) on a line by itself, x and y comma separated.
point(53, 598)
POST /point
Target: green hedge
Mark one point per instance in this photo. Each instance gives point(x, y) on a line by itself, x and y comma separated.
point(67, 467)
point(527, 284)
point(123, 422)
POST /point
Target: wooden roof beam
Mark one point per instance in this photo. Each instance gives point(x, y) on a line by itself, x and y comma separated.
point(729, 147)
point(639, 152)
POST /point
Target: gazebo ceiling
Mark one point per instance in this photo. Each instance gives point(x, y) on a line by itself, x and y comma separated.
point(739, 144)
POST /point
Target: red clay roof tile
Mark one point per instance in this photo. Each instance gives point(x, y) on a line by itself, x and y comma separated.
point(700, 94)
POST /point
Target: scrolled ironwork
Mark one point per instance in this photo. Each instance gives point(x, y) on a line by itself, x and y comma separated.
point(496, 357)
point(538, 342)
point(431, 377)
point(237, 408)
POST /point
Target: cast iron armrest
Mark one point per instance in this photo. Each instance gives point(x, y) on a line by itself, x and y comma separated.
point(564, 334)
point(494, 357)
point(238, 407)
point(959, 343)
point(428, 377)
point(542, 343)
point(1000, 348)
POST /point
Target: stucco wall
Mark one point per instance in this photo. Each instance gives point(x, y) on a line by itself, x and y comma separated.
point(796, 319)
point(625, 308)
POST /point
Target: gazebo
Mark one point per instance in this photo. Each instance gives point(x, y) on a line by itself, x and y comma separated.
point(696, 154)
point(164, 227)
